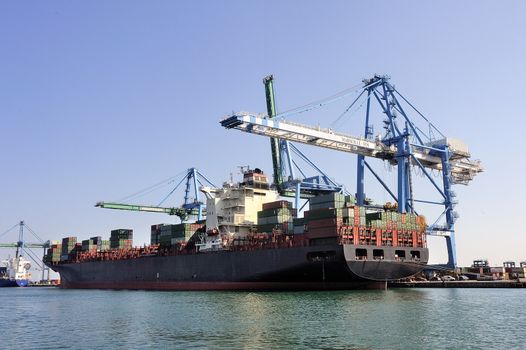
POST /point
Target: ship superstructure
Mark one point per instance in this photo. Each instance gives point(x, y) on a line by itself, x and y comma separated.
point(233, 208)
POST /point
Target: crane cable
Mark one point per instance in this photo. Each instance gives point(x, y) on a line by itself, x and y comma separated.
point(421, 115)
point(6, 232)
point(171, 192)
point(34, 233)
point(334, 123)
point(322, 102)
point(151, 188)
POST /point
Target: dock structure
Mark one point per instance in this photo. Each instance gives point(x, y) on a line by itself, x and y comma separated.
point(459, 284)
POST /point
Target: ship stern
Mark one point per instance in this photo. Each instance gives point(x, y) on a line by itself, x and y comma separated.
point(385, 263)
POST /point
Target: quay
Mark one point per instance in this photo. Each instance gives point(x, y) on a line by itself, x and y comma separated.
point(459, 284)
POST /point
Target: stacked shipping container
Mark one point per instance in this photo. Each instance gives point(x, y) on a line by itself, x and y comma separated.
point(331, 200)
point(54, 252)
point(69, 246)
point(329, 213)
point(276, 215)
point(169, 235)
point(95, 244)
point(121, 239)
point(336, 215)
point(389, 220)
point(89, 245)
point(155, 234)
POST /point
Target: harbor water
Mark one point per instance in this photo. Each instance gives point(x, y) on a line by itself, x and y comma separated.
point(51, 318)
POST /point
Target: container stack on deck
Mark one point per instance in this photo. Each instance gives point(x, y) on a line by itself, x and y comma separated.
point(329, 213)
point(54, 252)
point(155, 234)
point(336, 215)
point(69, 247)
point(389, 220)
point(276, 215)
point(121, 239)
point(95, 244)
point(404, 224)
point(89, 245)
point(299, 226)
point(331, 200)
point(169, 235)
point(104, 246)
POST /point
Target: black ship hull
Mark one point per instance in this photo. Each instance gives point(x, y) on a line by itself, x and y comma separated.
point(295, 268)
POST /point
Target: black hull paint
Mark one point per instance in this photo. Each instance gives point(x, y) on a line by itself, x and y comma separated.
point(314, 267)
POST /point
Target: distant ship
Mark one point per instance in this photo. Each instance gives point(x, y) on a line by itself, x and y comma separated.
point(15, 272)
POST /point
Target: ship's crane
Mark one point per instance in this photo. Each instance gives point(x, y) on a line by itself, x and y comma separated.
point(190, 207)
point(405, 146)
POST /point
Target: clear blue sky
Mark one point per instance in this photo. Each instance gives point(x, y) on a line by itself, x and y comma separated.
point(99, 99)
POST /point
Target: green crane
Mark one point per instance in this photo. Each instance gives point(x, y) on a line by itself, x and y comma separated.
point(195, 208)
point(180, 212)
point(274, 142)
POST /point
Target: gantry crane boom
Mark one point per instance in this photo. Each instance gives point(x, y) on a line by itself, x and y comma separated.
point(463, 169)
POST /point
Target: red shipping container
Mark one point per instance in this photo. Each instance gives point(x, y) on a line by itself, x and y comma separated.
point(321, 233)
point(356, 212)
point(277, 205)
point(324, 223)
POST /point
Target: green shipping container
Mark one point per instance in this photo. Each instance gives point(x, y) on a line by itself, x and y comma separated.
point(275, 212)
point(330, 197)
point(323, 214)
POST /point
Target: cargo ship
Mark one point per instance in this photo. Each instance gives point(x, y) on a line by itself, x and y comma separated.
point(253, 240)
point(15, 272)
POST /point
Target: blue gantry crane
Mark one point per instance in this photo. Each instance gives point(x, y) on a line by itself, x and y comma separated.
point(406, 141)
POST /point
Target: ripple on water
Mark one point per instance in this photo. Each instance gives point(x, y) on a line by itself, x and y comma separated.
point(49, 318)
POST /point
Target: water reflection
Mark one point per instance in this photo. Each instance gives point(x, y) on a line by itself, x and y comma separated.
point(392, 319)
